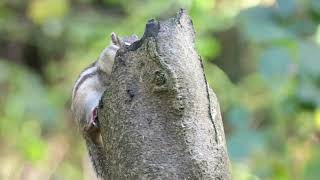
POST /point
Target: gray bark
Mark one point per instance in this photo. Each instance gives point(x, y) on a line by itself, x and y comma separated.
point(159, 119)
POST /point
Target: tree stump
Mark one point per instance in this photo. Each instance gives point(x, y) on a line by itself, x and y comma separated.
point(159, 119)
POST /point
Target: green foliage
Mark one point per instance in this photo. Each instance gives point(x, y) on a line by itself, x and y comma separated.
point(271, 111)
point(311, 171)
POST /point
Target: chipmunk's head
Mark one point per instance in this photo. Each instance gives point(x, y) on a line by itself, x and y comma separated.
point(106, 58)
point(123, 41)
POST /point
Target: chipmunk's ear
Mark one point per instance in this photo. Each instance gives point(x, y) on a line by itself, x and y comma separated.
point(135, 36)
point(115, 39)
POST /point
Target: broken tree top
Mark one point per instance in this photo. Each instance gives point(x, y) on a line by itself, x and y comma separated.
point(159, 118)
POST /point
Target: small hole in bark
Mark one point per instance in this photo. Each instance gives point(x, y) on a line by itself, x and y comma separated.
point(130, 93)
point(160, 78)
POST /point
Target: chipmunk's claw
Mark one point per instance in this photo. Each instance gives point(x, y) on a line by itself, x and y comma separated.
point(93, 123)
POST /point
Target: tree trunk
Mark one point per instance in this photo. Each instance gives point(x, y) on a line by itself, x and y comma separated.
point(159, 119)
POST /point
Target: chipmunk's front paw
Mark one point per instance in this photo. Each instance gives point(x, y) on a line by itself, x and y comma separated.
point(93, 125)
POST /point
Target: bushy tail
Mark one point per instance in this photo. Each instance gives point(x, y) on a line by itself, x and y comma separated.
point(97, 156)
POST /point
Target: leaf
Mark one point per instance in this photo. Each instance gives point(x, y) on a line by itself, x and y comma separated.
point(242, 172)
point(244, 140)
point(315, 6)
point(311, 169)
point(41, 11)
point(309, 73)
point(275, 67)
point(308, 92)
point(208, 47)
point(286, 8)
point(259, 26)
point(238, 117)
point(309, 59)
point(30, 142)
point(242, 144)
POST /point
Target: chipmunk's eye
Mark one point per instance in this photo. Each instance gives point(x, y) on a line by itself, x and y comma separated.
point(160, 78)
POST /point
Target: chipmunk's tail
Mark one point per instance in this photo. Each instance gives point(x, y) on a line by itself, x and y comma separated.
point(98, 157)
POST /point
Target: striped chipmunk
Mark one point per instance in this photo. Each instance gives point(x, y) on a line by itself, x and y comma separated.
point(86, 94)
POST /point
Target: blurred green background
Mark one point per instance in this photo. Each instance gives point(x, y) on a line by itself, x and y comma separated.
point(262, 58)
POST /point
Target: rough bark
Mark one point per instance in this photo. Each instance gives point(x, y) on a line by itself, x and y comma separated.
point(159, 118)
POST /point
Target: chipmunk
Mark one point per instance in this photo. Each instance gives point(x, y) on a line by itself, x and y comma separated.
point(86, 94)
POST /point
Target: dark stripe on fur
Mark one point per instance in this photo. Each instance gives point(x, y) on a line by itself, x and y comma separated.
point(85, 77)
